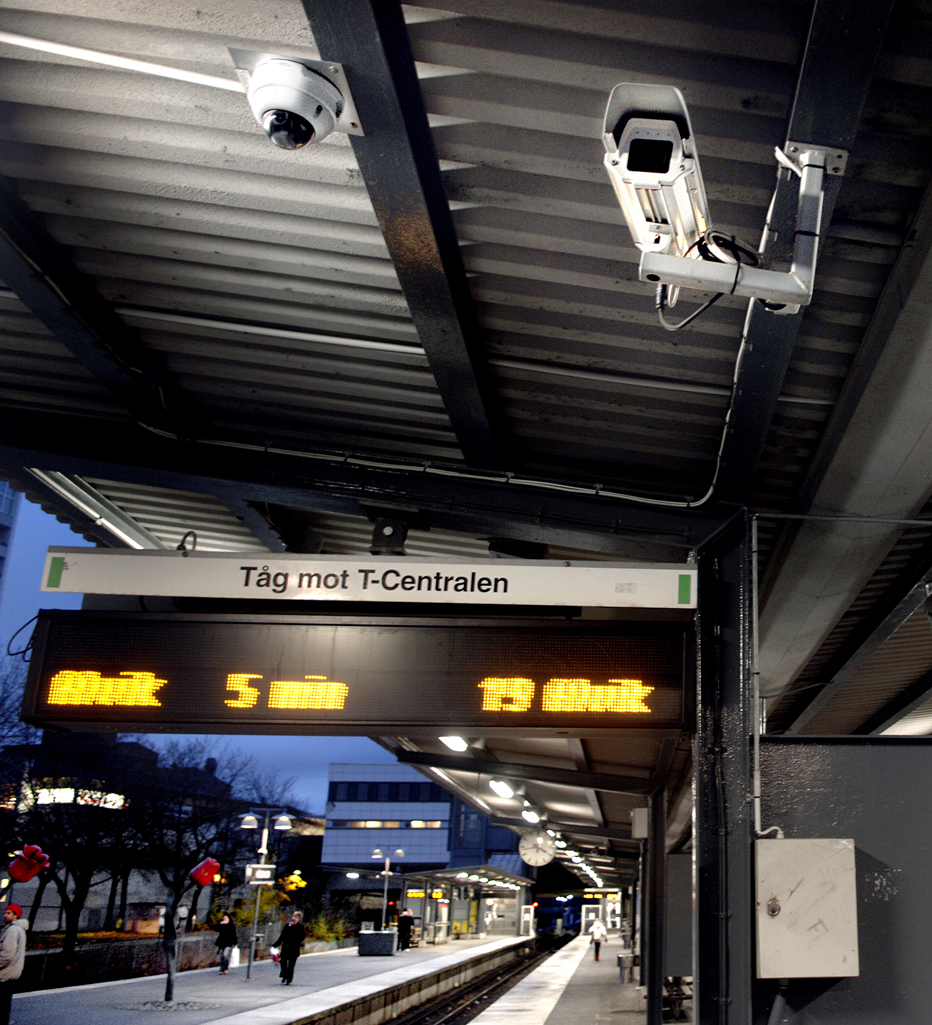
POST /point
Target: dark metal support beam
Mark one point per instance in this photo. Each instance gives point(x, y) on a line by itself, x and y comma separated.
point(845, 39)
point(904, 596)
point(654, 906)
point(916, 694)
point(617, 835)
point(536, 773)
point(723, 815)
point(465, 504)
point(399, 164)
point(578, 751)
point(252, 519)
point(40, 272)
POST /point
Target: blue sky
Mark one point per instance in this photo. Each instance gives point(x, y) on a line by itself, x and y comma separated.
point(306, 758)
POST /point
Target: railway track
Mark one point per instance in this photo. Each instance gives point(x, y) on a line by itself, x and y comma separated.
point(463, 1004)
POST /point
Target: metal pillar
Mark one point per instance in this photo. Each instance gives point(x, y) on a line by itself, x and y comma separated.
point(262, 852)
point(723, 813)
point(652, 945)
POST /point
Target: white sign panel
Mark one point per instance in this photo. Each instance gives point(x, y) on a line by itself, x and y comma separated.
point(334, 578)
point(260, 875)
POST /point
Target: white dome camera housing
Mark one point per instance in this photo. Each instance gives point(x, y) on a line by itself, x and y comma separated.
point(294, 104)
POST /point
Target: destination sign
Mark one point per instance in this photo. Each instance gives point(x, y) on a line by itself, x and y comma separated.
point(312, 578)
point(224, 673)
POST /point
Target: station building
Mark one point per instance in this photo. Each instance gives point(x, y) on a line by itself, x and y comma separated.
point(428, 835)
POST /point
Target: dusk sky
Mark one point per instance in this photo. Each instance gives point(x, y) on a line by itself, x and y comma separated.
point(306, 758)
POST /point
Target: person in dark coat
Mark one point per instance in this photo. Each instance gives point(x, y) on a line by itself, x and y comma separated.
point(226, 941)
point(405, 924)
point(290, 943)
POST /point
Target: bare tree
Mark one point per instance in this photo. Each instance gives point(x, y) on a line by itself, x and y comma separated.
point(189, 816)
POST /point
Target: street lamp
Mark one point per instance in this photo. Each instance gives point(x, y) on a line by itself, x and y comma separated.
point(387, 871)
point(250, 821)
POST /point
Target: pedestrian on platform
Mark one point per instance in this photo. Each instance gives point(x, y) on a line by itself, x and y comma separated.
point(597, 935)
point(12, 956)
point(405, 925)
point(290, 943)
point(226, 941)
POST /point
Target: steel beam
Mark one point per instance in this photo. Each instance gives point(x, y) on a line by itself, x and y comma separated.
point(472, 505)
point(40, 272)
point(904, 596)
point(616, 835)
point(723, 818)
point(535, 773)
point(844, 42)
point(399, 164)
point(654, 906)
point(916, 694)
point(252, 519)
point(578, 751)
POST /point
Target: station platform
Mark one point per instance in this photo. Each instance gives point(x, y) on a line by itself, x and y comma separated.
point(330, 983)
point(569, 988)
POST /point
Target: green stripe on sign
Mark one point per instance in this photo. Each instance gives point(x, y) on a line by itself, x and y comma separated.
point(685, 589)
point(57, 567)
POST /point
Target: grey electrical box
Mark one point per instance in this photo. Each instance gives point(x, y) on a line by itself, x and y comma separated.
point(639, 826)
point(807, 922)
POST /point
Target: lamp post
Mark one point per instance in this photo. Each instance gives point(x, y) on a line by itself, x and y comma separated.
point(249, 821)
point(386, 872)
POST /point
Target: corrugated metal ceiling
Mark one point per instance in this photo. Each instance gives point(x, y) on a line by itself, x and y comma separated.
point(264, 281)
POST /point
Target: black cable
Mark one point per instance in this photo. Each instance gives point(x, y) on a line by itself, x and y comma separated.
point(28, 648)
point(661, 304)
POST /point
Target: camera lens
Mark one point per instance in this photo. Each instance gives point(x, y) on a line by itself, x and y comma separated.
point(288, 130)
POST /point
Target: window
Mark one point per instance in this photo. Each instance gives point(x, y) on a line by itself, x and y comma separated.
point(404, 791)
point(382, 792)
point(340, 791)
point(392, 825)
point(373, 823)
point(417, 824)
point(423, 791)
point(362, 792)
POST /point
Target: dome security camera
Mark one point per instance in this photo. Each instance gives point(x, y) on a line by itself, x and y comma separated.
point(293, 103)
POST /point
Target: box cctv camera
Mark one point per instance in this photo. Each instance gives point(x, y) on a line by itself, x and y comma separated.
point(651, 161)
point(296, 99)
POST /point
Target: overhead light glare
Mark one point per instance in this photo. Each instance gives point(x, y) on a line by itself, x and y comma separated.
point(352, 875)
point(455, 743)
point(529, 815)
point(500, 787)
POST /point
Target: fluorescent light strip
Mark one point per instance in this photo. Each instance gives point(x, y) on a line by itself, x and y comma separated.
point(127, 63)
point(73, 498)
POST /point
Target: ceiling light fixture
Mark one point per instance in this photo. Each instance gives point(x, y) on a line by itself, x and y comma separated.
point(500, 787)
point(455, 743)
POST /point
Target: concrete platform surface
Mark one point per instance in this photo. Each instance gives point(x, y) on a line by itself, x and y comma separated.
point(570, 988)
point(320, 981)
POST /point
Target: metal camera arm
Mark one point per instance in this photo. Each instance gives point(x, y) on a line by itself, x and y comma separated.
point(792, 288)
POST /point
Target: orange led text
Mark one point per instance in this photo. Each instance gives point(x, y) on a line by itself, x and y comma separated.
point(516, 694)
point(87, 687)
point(313, 692)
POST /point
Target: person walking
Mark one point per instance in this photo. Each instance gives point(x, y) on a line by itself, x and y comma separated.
point(226, 941)
point(405, 925)
point(290, 943)
point(597, 935)
point(12, 957)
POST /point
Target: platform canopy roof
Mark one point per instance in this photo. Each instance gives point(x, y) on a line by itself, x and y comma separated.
point(440, 321)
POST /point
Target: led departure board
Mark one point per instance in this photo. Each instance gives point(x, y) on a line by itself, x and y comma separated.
point(228, 674)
